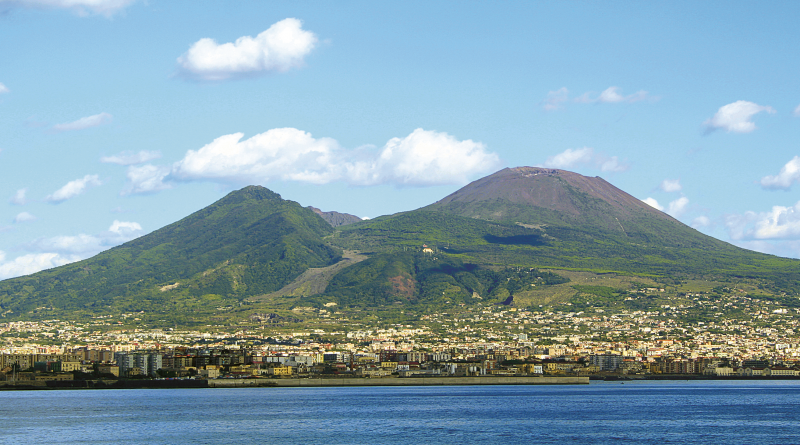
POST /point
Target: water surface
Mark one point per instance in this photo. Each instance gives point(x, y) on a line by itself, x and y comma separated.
point(632, 412)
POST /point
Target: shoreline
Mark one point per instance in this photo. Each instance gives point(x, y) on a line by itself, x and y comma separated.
point(334, 382)
point(292, 382)
point(396, 381)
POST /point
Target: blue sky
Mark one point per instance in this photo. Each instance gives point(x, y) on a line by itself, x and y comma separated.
point(118, 117)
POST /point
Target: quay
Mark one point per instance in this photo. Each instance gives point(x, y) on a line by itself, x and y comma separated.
point(396, 381)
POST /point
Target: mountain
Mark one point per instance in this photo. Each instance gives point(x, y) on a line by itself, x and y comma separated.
point(247, 243)
point(550, 198)
point(530, 217)
point(336, 219)
point(513, 237)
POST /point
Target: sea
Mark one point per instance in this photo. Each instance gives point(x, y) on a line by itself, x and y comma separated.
point(640, 412)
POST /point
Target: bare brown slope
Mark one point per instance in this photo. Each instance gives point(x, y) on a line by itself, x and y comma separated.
point(550, 189)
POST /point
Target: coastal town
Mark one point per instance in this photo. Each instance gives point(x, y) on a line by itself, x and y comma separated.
point(471, 341)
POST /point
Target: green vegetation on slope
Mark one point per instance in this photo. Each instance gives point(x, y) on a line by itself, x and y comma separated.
point(417, 278)
point(248, 243)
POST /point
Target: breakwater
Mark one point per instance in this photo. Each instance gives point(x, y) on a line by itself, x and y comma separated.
point(397, 381)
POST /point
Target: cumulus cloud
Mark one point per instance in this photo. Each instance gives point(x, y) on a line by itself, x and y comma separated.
point(571, 158)
point(423, 158)
point(4, 89)
point(79, 7)
point(32, 263)
point(74, 188)
point(60, 250)
point(77, 244)
point(124, 227)
point(789, 174)
point(781, 223)
point(556, 99)
point(652, 202)
point(84, 122)
point(19, 197)
point(419, 159)
point(24, 217)
point(280, 48)
point(146, 179)
point(671, 185)
point(677, 208)
point(131, 158)
point(736, 117)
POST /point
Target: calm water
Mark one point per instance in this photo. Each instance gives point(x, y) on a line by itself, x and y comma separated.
point(633, 412)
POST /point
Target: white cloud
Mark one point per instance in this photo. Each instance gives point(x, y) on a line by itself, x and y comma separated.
point(571, 158)
point(124, 227)
point(677, 208)
point(146, 179)
point(89, 245)
point(789, 174)
point(610, 95)
point(74, 188)
point(797, 111)
point(653, 203)
point(4, 89)
point(555, 99)
point(19, 197)
point(701, 222)
point(280, 48)
point(61, 250)
point(284, 153)
point(131, 158)
point(735, 117)
point(24, 217)
point(671, 185)
point(74, 244)
point(781, 223)
point(84, 122)
point(79, 7)
point(421, 158)
point(32, 263)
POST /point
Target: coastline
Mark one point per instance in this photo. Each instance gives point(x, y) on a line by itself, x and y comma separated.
point(397, 381)
point(291, 382)
point(334, 382)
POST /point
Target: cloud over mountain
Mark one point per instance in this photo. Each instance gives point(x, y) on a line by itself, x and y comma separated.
point(572, 158)
point(423, 158)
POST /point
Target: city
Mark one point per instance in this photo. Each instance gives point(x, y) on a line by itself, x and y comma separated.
point(491, 340)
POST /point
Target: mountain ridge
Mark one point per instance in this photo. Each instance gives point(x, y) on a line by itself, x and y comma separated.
point(471, 246)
